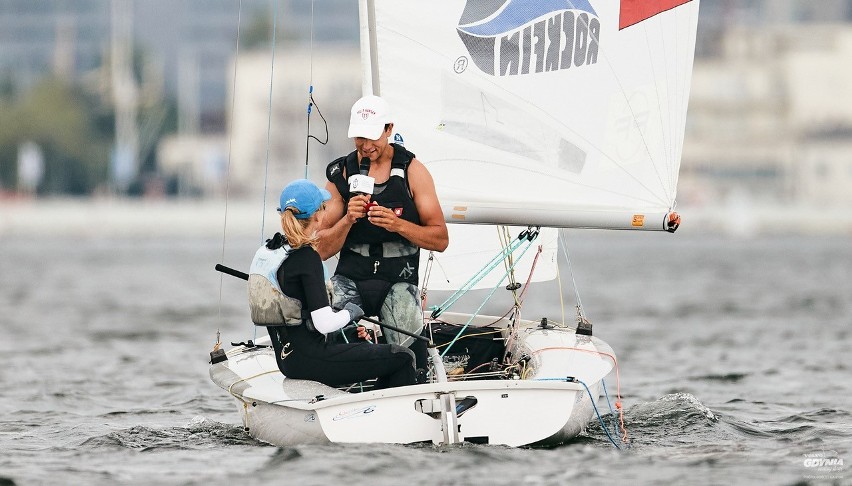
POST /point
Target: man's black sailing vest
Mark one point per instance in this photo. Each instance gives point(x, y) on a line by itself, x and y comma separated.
point(371, 252)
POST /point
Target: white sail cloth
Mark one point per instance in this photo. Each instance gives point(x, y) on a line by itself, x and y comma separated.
point(538, 112)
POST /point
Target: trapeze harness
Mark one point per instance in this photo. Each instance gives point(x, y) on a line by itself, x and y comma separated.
point(373, 257)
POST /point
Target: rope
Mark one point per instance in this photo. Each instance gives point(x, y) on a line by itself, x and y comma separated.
point(571, 379)
point(564, 249)
point(618, 406)
point(268, 134)
point(513, 334)
point(230, 150)
point(507, 262)
point(228, 171)
point(600, 419)
point(487, 298)
point(611, 410)
point(485, 270)
point(312, 102)
point(310, 92)
point(268, 126)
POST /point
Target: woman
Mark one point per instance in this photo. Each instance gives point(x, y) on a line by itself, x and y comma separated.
point(287, 294)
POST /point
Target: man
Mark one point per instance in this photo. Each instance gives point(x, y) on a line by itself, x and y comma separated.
point(379, 235)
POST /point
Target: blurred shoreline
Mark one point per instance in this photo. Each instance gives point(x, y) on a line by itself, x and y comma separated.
point(116, 217)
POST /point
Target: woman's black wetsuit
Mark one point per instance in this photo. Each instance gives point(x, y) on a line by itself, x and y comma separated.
point(310, 357)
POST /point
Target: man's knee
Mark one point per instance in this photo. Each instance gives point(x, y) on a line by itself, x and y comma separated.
point(402, 298)
point(344, 291)
point(395, 348)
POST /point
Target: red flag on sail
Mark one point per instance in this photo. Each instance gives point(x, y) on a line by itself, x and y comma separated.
point(635, 11)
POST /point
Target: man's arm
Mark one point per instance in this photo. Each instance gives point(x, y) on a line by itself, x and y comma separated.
point(431, 234)
point(335, 225)
point(338, 220)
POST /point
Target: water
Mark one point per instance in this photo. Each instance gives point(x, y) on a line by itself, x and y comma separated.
point(734, 363)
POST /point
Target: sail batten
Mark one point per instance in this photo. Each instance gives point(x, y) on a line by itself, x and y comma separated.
point(555, 105)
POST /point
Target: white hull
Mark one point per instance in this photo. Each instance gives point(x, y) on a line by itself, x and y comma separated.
point(538, 410)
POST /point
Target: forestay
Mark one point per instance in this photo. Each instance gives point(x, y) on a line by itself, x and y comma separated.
point(542, 112)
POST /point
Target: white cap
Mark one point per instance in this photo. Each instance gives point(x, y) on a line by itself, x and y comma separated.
point(369, 116)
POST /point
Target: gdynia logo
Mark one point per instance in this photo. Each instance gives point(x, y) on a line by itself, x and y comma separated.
point(516, 37)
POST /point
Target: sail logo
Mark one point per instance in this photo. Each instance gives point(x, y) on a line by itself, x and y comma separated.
point(519, 37)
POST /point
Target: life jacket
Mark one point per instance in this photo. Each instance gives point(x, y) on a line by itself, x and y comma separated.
point(369, 251)
point(269, 305)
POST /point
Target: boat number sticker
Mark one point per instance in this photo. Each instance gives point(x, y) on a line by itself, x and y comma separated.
point(310, 417)
point(357, 412)
point(638, 220)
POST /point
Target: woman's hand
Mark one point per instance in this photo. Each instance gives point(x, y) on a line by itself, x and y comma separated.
point(364, 334)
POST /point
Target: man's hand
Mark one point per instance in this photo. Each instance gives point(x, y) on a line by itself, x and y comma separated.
point(364, 334)
point(384, 218)
point(357, 207)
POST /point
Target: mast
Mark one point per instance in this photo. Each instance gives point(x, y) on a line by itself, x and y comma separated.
point(369, 53)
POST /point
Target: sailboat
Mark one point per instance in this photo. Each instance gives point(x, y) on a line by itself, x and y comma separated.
point(532, 116)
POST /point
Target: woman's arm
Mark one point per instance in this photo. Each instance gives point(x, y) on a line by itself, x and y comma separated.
point(325, 319)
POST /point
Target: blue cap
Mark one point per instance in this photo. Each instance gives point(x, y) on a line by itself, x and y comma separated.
point(304, 196)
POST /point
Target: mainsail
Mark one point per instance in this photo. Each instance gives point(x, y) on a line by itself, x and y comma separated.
point(560, 113)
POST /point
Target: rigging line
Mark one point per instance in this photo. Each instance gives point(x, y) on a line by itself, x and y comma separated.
point(487, 298)
point(308, 129)
point(230, 151)
point(482, 272)
point(516, 316)
point(479, 275)
point(310, 91)
point(507, 262)
point(550, 117)
point(268, 124)
point(562, 245)
point(312, 102)
point(611, 410)
point(561, 299)
point(618, 404)
point(268, 133)
point(594, 405)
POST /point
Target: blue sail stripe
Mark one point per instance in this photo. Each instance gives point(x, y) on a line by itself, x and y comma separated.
point(521, 12)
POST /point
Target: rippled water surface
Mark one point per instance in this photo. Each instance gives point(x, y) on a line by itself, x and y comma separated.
point(734, 364)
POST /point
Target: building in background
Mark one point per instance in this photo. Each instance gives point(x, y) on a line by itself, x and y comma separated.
point(186, 45)
point(769, 117)
point(272, 139)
